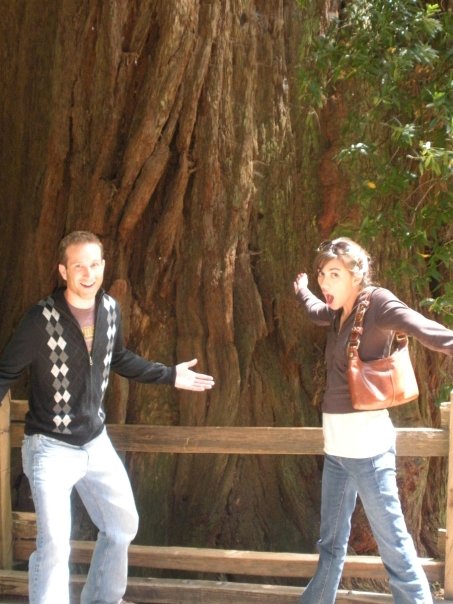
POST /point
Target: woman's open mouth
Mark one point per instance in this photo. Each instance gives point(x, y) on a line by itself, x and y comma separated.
point(329, 299)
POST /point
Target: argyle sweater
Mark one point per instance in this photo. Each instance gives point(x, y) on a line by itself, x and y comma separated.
point(67, 384)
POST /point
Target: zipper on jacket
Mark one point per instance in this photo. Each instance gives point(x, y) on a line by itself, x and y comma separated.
point(73, 320)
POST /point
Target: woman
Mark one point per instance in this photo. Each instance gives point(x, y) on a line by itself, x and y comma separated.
point(359, 446)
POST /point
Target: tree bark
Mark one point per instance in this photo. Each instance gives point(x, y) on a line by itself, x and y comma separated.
point(174, 130)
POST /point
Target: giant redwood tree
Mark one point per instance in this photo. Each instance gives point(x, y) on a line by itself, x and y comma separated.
point(175, 130)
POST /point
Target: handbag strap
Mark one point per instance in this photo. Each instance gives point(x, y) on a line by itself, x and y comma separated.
point(357, 328)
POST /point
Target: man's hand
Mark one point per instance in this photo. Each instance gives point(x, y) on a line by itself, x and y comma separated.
point(300, 282)
point(186, 379)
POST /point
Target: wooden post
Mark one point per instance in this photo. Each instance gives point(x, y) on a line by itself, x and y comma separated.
point(448, 582)
point(5, 486)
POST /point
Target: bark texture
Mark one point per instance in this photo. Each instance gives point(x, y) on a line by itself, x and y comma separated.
point(174, 130)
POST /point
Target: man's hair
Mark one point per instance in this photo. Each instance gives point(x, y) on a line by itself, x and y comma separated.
point(75, 238)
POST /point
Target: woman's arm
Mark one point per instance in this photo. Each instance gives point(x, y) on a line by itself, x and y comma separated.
point(317, 310)
point(392, 314)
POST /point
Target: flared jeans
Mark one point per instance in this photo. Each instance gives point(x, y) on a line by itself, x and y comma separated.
point(374, 480)
point(53, 468)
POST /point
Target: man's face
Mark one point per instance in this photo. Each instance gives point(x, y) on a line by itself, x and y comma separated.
point(83, 273)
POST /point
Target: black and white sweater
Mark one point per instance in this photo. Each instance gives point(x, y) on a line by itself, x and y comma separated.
point(67, 383)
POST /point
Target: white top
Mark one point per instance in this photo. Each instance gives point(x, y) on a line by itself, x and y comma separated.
point(358, 435)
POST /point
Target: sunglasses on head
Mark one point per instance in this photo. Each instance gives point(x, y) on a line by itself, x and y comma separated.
point(335, 247)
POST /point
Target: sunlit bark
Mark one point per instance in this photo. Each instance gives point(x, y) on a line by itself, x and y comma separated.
point(174, 130)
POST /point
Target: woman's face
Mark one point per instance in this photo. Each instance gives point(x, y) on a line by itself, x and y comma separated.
point(338, 285)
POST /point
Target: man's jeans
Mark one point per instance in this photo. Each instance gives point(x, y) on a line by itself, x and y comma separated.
point(374, 480)
point(53, 468)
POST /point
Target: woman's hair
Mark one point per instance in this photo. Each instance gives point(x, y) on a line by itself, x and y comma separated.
point(354, 257)
point(75, 238)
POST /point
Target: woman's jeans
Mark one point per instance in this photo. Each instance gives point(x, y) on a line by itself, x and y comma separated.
point(374, 480)
point(53, 468)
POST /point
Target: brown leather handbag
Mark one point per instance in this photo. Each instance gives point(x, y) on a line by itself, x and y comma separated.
point(381, 383)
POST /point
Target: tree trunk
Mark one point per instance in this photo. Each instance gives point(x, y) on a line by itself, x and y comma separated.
point(174, 130)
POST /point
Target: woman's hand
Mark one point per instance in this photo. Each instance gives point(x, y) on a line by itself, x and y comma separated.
point(300, 282)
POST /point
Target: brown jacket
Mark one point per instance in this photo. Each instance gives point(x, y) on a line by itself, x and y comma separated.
point(385, 315)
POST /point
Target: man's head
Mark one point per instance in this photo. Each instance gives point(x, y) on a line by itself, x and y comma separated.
point(81, 265)
point(74, 238)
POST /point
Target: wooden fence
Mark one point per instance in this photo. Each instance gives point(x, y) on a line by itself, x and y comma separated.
point(18, 528)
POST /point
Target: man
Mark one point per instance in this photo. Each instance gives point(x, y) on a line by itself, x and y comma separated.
point(70, 341)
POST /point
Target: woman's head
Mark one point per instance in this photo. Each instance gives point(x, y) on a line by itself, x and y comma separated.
point(354, 258)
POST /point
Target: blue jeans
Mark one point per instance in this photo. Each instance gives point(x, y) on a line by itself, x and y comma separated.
point(374, 480)
point(53, 468)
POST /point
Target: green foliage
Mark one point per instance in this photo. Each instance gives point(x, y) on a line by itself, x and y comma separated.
point(390, 61)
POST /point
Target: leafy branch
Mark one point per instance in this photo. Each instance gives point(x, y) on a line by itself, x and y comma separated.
point(390, 61)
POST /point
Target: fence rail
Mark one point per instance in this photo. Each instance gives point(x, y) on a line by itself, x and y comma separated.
point(18, 528)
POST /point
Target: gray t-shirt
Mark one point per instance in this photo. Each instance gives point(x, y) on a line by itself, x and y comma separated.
point(85, 318)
